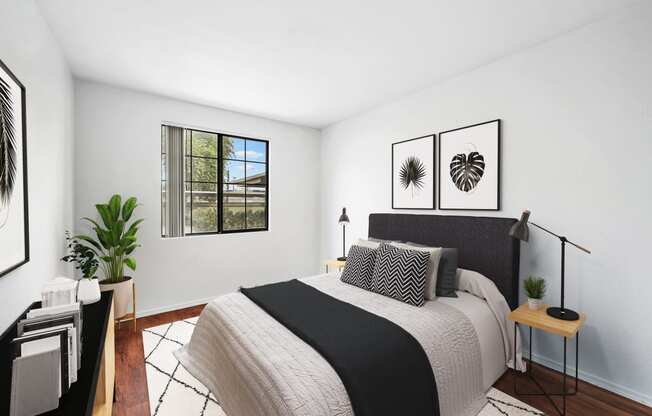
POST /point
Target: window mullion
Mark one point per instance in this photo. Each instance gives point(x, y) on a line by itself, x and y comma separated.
point(220, 183)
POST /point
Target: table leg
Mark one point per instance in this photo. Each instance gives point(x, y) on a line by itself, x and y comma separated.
point(564, 381)
point(327, 268)
point(577, 358)
point(515, 369)
point(529, 368)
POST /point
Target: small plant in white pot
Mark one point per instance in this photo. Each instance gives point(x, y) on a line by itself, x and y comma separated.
point(535, 288)
point(85, 260)
point(114, 246)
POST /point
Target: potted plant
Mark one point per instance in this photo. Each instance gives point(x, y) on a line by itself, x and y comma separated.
point(535, 288)
point(114, 245)
point(85, 260)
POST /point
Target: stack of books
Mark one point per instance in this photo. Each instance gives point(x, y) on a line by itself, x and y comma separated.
point(47, 356)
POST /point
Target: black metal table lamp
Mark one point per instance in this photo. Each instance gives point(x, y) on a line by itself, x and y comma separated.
point(343, 221)
point(521, 232)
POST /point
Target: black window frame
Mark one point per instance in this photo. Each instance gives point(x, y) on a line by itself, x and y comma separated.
point(220, 181)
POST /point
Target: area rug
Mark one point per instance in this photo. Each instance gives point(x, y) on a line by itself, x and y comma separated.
point(173, 391)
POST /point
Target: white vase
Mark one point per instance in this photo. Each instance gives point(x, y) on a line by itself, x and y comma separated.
point(122, 295)
point(534, 304)
point(88, 291)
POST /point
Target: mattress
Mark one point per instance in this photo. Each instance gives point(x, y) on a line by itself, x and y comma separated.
point(492, 350)
point(255, 366)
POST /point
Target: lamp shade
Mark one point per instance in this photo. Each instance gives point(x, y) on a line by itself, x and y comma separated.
point(520, 229)
point(344, 219)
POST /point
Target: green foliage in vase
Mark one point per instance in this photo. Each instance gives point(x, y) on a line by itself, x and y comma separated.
point(82, 256)
point(115, 240)
point(535, 287)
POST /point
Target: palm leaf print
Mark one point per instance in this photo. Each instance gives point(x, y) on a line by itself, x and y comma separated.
point(412, 173)
point(7, 144)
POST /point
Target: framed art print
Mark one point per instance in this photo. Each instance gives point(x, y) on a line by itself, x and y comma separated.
point(14, 227)
point(413, 173)
point(469, 167)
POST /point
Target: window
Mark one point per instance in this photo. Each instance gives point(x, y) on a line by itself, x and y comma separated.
point(212, 183)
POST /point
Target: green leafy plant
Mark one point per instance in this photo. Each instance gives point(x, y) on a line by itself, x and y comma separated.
point(535, 287)
point(116, 240)
point(82, 256)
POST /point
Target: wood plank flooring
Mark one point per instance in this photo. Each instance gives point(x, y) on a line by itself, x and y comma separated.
point(131, 397)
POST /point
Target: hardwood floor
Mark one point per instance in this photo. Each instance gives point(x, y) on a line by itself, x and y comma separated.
point(131, 397)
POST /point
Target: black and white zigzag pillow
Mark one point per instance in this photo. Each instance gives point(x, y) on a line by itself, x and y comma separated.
point(359, 266)
point(400, 274)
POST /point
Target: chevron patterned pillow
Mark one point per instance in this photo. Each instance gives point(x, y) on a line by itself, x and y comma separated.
point(401, 274)
point(359, 266)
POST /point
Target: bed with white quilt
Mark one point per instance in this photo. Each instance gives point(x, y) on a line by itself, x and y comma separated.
point(258, 365)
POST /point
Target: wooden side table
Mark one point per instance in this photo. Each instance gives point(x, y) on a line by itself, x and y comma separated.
point(539, 319)
point(334, 263)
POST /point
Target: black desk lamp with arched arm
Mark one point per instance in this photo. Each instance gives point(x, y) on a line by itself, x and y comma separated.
point(520, 231)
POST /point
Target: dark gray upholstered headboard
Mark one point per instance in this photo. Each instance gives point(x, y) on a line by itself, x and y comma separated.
point(483, 243)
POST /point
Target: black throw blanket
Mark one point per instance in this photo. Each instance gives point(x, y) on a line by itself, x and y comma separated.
point(384, 369)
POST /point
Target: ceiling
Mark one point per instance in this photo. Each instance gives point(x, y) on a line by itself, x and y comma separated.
point(311, 63)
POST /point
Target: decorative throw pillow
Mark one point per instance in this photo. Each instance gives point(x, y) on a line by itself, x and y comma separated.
point(359, 266)
point(447, 276)
point(401, 274)
point(446, 273)
point(433, 266)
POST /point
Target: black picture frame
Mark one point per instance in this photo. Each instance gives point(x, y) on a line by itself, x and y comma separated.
point(23, 126)
point(432, 136)
point(498, 167)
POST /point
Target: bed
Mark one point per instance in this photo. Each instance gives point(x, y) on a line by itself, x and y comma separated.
point(256, 366)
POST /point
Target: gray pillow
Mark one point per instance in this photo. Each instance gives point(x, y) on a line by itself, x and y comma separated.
point(378, 240)
point(446, 273)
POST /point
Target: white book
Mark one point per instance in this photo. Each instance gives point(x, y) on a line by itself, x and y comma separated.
point(34, 380)
point(40, 345)
point(52, 310)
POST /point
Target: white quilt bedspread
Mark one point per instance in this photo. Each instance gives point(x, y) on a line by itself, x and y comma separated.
point(255, 366)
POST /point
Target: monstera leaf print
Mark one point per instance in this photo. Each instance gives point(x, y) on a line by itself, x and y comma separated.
point(466, 171)
point(7, 144)
point(412, 173)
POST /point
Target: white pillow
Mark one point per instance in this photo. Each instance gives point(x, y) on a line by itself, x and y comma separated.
point(473, 282)
point(433, 266)
point(367, 243)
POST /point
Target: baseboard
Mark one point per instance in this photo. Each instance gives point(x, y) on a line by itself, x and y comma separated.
point(637, 396)
point(169, 308)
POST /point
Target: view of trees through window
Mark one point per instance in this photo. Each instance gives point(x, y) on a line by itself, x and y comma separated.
point(225, 183)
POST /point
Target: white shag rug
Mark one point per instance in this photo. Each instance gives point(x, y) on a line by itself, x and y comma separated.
point(173, 391)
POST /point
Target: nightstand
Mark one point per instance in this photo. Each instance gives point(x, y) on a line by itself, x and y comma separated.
point(334, 263)
point(539, 319)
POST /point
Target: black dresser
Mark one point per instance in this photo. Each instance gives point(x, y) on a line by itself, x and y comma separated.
point(92, 393)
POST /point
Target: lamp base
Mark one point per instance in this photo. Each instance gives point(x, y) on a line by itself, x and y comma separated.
point(563, 314)
point(343, 258)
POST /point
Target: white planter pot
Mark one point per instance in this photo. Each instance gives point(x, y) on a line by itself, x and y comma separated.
point(534, 304)
point(122, 295)
point(88, 291)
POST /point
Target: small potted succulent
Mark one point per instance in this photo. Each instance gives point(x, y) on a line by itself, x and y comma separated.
point(535, 288)
point(85, 260)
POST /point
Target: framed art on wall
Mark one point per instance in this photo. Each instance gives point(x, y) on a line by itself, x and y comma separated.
point(413, 173)
point(14, 227)
point(469, 167)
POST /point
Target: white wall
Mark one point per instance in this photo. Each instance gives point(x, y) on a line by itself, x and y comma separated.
point(118, 151)
point(577, 151)
point(30, 51)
